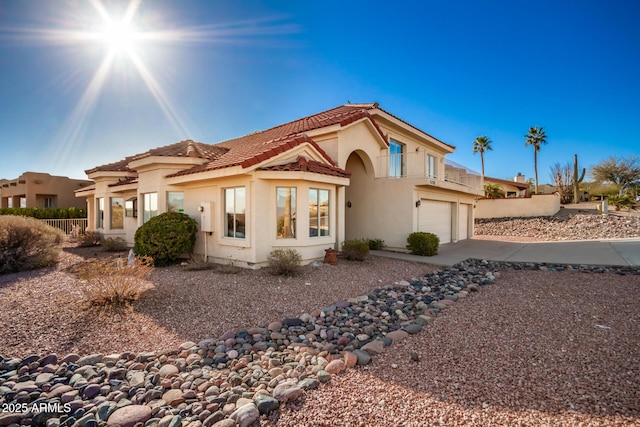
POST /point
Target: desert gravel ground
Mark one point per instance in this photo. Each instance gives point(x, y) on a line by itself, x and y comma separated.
point(536, 348)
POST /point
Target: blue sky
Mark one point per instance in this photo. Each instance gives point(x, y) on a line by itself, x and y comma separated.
point(223, 69)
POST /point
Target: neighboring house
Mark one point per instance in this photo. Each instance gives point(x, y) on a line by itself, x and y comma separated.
point(351, 172)
point(515, 188)
point(41, 190)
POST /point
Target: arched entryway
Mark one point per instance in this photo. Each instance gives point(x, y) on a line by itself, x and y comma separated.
point(359, 204)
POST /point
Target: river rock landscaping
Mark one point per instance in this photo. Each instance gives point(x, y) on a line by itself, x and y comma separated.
point(240, 376)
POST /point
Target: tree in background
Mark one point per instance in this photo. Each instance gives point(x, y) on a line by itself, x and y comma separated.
point(536, 137)
point(623, 172)
point(493, 191)
point(562, 177)
point(480, 145)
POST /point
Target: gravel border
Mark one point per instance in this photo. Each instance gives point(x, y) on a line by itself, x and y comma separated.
point(547, 345)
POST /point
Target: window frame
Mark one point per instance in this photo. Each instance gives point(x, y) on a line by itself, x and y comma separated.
point(319, 216)
point(145, 206)
point(111, 216)
point(397, 160)
point(232, 233)
point(293, 208)
point(99, 213)
point(181, 202)
point(432, 169)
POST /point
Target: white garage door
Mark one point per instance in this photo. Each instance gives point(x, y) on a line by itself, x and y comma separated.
point(464, 222)
point(435, 217)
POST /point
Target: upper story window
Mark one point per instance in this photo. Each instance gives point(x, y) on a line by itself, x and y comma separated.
point(175, 201)
point(432, 166)
point(318, 212)
point(117, 212)
point(149, 206)
point(235, 206)
point(286, 212)
point(396, 159)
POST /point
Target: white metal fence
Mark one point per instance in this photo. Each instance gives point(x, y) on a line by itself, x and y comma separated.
point(67, 225)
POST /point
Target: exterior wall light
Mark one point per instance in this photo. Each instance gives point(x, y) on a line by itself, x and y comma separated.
point(418, 203)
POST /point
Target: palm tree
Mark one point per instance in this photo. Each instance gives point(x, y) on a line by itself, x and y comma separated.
point(536, 137)
point(480, 145)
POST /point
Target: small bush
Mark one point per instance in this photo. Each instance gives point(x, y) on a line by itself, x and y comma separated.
point(421, 243)
point(27, 244)
point(111, 283)
point(166, 237)
point(355, 250)
point(624, 201)
point(89, 238)
point(113, 244)
point(284, 262)
point(376, 244)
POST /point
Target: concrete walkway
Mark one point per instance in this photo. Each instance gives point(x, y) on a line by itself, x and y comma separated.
point(617, 252)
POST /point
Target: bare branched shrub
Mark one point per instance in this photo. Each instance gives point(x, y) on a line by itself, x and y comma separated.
point(284, 262)
point(89, 238)
point(112, 284)
point(27, 244)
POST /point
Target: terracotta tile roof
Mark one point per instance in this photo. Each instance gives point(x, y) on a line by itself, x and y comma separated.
point(119, 166)
point(259, 146)
point(187, 148)
point(305, 165)
point(130, 180)
point(520, 185)
point(256, 147)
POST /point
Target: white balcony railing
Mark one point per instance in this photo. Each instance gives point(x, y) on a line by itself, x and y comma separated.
point(417, 164)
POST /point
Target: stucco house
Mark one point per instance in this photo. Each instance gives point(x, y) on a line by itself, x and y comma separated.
point(515, 188)
point(354, 171)
point(41, 190)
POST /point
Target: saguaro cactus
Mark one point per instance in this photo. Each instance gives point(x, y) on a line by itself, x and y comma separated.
point(576, 180)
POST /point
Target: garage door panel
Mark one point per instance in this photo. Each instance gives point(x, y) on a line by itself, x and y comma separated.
point(464, 222)
point(435, 217)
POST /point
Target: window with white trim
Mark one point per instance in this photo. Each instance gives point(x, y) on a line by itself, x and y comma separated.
point(149, 206)
point(117, 213)
point(100, 212)
point(432, 168)
point(235, 206)
point(286, 212)
point(396, 159)
point(319, 212)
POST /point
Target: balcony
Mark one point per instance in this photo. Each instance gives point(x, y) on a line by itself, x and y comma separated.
point(420, 165)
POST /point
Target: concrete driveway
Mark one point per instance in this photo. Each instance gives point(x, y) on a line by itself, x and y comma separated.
point(617, 252)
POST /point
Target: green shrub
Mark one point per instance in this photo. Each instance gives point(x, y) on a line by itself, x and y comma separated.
point(624, 201)
point(376, 244)
point(27, 244)
point(113, 244)
point(165, 237)
point(284, 262)
point(50, 213)
point(355, 250)
point(89, 238)
point(421, 243)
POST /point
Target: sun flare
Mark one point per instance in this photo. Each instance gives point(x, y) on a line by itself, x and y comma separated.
point(120, 37)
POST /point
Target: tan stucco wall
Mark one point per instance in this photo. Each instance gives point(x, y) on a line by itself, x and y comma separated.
point(536, 205)
point(36, 186)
